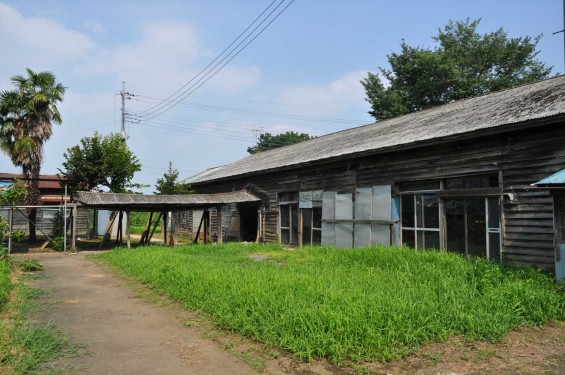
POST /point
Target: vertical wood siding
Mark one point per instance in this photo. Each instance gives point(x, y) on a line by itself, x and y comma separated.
point(522, 157)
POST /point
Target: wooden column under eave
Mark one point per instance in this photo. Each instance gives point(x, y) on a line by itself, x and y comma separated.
point(206, 224)
point(128, 230)
point(219, 224)
point(164, 229)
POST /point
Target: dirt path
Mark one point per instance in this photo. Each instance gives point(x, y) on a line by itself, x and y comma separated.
point(122, 334)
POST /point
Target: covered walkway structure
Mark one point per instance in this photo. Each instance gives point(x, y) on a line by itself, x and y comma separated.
point(159, 207)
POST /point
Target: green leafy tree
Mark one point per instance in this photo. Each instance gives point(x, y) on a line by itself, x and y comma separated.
point(100, 162)
point(26, 117)
point(464, 64)
point(169, 184)
point(268, 141)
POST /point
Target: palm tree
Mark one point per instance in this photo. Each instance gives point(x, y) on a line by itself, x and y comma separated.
point(26, 114)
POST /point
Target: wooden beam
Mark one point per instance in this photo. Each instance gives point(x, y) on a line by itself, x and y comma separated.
point(128, 237)
point(148, 240)
point(145, 233)
point(164, 227)
point(199, 227)
point(219, 225)
point(206, 224)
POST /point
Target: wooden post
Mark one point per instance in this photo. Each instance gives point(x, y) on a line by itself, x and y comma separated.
point(147, 229)
point(165, 218)
point(148, 240)
point(199, 227)
point(128, 237)
point(206, 224)
point(172, 230)
point(108, 232)
point(258, 236)
point(219, 224)
point(119, 232)
point(300, 219)
point(74, 229)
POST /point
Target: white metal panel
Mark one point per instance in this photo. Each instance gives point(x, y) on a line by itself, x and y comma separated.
point(328, 205)
point(381, 202)
point(344, 206)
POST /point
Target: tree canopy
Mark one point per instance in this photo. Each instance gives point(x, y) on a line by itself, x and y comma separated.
point(101, 162)
point(26, 117)
point(268, 141)
point(169, 184)
point(464, 64)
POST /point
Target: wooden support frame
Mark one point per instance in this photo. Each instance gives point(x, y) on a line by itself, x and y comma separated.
point(128, 237)
point(219, 225)
point(148, 239)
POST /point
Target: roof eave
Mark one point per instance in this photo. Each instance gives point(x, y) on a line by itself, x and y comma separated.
point(435, 141)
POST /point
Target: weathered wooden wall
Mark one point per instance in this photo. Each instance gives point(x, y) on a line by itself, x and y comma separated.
point(521, 157)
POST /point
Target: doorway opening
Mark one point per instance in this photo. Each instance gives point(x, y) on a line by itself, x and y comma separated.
point(248, 221)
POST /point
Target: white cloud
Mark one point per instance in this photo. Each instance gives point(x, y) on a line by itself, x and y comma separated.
point(94, 27)
point(344, 93)
point(233, 79)
point(34, 41)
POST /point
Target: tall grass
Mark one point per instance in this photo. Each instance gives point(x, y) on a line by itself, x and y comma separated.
point(361, 304)
point(5, 283)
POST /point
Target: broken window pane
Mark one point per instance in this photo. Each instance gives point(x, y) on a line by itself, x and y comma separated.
point(408, 211)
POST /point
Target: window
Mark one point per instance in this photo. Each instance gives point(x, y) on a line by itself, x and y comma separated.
point(288, 215)
point(311, 226)
point(473, 226)
point(420, 221)
point(472, 182)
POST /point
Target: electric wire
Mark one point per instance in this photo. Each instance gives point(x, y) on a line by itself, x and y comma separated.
point(195, 86)
point(255, 100)
point(250, 112)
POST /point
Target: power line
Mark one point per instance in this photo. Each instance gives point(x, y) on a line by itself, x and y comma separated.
point(251, 112)
point(213, 61)
point(169, 104)
point(259, 101)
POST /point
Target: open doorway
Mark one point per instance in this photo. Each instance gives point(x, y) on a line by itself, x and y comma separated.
point(248, 221)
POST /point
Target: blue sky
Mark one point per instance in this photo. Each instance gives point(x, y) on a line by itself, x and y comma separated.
point(307, 64)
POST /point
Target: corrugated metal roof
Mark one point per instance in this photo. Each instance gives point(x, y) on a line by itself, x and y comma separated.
point(555, 179)
point(514, 106)
point(140, 201)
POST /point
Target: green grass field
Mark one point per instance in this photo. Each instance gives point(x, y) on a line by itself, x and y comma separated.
point(363, 304)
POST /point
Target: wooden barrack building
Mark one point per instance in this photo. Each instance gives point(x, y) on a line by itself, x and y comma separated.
point(457, 177)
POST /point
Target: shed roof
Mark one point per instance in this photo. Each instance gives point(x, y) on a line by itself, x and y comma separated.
point(498, 111)
point(556, 179)
point(141, 202)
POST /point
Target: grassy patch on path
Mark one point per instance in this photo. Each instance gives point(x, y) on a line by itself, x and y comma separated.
point(25, 348)
point(357, 304)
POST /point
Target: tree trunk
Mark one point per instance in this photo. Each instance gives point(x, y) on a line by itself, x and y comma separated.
point(33, 199)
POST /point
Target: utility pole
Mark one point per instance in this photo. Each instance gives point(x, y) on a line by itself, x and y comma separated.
point(123, 95)
point(257, 132)
point(563, 31)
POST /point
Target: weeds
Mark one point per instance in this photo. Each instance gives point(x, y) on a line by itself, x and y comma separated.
point(26, 348)
point(358, 304)
point(30, 265)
